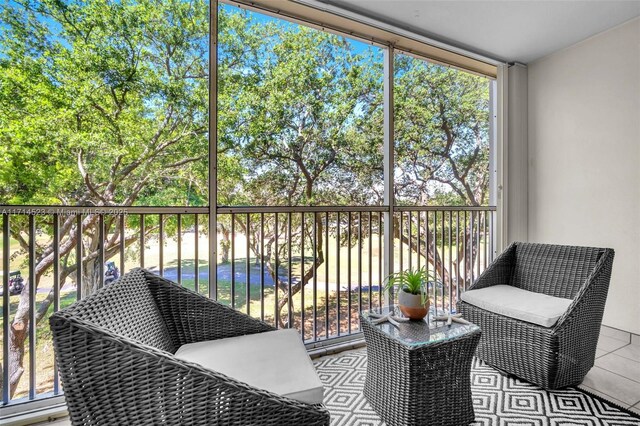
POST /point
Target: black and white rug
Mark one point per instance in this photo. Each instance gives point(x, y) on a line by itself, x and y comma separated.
point(497, 399)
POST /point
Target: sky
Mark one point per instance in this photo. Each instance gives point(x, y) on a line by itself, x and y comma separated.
point(357, 46)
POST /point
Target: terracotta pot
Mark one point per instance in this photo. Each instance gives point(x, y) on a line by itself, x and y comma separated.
point(411, 305)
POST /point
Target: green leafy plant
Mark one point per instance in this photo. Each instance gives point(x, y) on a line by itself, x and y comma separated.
point(414, 281)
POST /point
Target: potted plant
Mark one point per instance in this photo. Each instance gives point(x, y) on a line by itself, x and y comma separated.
point(412, 289)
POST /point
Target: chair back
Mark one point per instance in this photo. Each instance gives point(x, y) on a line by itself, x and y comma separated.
point(555, 270)
point(126, 308)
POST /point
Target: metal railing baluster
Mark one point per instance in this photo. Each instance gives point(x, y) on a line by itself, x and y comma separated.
point(451, 302)
point(247, 270)
point(338, 287)
point(427, 244)
point(359, 261)
point(370, 258)
point(442, 260)
point(326, 275)
point(484, 236)
point(101, 257)
point(419, 214)
point(401, 244)
point(464, 251)
point(410, 232)
point(232, 293)
point(315, 276)
point(262, 266)
point(196, 260)
point(349, 272)
point(302, 274)
point(289, 271)
point(142, 238)
point(491, 230)
point(457, 255)
point(56, 289)
point(179, 247)
point(161, 244)
point(5, 306)
point(32, 306)
point(478, 246)
point(380, 260)
point(79, 294)
point(435, 257)
point(276, 314)
point(122, 242)
point(471, 248)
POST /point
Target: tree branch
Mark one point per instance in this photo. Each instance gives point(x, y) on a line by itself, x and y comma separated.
point(86, 178)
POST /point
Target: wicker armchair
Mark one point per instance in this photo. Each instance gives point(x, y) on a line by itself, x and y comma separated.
point(562, 354)
point(115, 350)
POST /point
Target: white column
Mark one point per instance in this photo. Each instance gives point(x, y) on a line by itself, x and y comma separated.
point(518, 156)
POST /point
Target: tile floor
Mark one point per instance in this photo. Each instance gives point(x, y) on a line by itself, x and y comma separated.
point(615, 376)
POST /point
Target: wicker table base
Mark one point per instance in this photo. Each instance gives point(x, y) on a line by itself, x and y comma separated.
point(424, 383)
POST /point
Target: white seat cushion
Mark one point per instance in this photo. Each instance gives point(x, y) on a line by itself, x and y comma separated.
point(276, 361)
point(514, 302)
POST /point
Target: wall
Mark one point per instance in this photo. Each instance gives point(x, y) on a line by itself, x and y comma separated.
point(584, 157)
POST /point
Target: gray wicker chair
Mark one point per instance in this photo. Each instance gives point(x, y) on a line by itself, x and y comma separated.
point(551, 357)
point(115, 349)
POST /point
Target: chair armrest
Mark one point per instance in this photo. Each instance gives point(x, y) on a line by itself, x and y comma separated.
point(191, 317)
point(588, 304)
point(499, 271)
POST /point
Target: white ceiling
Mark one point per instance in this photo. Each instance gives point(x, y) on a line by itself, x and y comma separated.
point(511, 31)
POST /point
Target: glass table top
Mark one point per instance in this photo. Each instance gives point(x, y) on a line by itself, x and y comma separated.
point(418, 333)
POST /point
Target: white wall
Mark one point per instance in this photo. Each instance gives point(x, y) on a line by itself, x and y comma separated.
point(584, 157)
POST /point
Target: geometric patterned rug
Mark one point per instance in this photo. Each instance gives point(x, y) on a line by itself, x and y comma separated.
point(497, 400)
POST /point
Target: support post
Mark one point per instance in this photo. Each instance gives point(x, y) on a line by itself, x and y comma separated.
point(501, 158)
point(213, 150)
point(388, 167)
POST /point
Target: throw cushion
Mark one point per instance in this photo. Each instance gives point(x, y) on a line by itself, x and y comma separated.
point(513, 302)
point(276, 361)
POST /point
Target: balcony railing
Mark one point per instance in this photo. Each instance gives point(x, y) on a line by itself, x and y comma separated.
point(310, 268)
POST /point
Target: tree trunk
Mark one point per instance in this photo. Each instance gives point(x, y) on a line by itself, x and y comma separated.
point(19, 329)
point(225, 244)
point(18, 333)
point(90, 276)
point(304, 279)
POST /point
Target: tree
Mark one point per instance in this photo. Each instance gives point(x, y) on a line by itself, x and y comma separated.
point(442, 151)
point(289, 100)
point(101, 104)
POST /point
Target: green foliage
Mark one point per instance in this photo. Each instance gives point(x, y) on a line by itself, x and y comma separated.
point(414, 281)
point(117, 88)
point(290, 99)
point(442, 134)
point(124, 87)
point(301, 112)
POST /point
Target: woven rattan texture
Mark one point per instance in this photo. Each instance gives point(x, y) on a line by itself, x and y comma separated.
point(116, 369)
point(558, 271)
point(553, 357)
point(127, 310)
point(424, 385)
